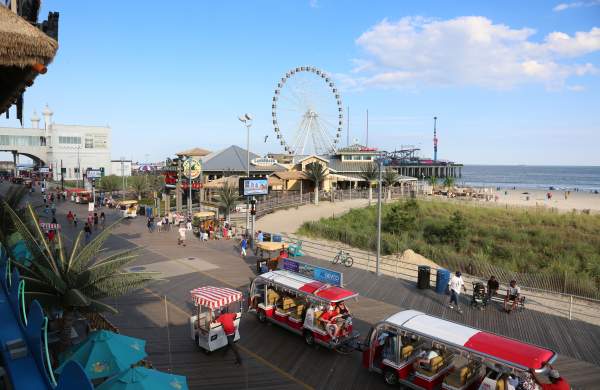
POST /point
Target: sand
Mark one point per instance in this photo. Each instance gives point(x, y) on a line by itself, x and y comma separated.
point(537, 198)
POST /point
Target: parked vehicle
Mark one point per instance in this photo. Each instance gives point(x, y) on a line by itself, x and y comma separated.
point(343, 257)
point(204, 330)
point(301, 305)
point(419, 351)
point(128, 208)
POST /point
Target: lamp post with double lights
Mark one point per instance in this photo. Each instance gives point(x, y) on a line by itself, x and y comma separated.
point(246, 119)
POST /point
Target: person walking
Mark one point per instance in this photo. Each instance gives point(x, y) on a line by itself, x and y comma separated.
point(74, 219)
point(102, 220)
point(88, 232)
point(244, 245)
point(149, 224)
point(95, 221)
point(227, 320)
point(456, 284)
point(70, 217)
point(182, 231)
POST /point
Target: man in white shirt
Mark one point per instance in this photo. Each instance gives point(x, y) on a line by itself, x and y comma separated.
point(456, 284)
point(512, 294)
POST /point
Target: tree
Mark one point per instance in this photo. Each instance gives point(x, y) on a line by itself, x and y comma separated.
point(390, 177)
point(110, 183)
point(227, 198)
point(432, 181)
point(456, 231)
point(316, 173)
point(449, 182)
point(139, 184)
point(369, 174)
point(73, 281)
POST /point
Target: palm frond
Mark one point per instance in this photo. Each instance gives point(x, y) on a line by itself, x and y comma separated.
point(99, 307)
point(119, 284)
point(106, 267)
point(74, 250)
point(85, 256)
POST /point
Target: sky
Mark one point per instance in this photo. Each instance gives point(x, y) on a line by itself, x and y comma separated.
point(511, 82)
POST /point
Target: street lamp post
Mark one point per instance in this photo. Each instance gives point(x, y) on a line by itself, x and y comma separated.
point(123, 175)
point(378, 259)
point(246, 119)
point(78, 165)
point(190, 203)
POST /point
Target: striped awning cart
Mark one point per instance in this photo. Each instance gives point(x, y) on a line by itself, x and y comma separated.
point(215, 297)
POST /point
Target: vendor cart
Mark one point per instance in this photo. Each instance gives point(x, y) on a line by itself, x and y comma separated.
point(204, 330)
point(269, 253)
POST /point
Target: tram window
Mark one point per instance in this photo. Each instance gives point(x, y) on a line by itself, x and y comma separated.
point(389, 346)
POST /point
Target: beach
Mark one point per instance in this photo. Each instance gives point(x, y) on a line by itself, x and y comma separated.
point(560, 200)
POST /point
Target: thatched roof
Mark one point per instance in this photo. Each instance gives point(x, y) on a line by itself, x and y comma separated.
point(195, 152)
point(290, 175)
point(22, 44)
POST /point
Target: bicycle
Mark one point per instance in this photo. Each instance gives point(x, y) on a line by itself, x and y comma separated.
point(344, 258)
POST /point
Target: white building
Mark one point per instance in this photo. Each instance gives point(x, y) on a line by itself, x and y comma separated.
point(72, 147)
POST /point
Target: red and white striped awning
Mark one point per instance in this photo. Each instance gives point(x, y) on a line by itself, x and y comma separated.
point(215, 297)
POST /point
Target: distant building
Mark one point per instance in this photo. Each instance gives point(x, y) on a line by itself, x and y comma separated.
point(121, 167)
point(74, 148)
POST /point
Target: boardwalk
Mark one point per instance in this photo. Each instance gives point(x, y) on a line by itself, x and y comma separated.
point(275, 358)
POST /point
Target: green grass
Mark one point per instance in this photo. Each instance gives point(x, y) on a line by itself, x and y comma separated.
point(525, 241)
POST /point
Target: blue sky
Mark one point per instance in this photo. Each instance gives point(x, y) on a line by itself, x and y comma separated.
point(512, 82)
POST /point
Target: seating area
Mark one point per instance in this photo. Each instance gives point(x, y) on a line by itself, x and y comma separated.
point(437, 364)
point(286, 305)
point(463, 373)
point(500, 299)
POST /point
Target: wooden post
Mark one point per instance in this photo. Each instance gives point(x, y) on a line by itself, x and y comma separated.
point(570, 306)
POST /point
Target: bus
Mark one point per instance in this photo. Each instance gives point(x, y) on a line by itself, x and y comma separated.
point(420, 351)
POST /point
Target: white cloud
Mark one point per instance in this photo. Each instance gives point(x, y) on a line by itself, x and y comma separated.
point(575, 4)
point(313, 3)
point(469, 50)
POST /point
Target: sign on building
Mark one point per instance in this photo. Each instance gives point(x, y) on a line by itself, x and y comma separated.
point(94, 174)
point(192, 167)
point(263, 161)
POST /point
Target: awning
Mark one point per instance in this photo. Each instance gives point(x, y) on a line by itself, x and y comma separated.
point(215, 297)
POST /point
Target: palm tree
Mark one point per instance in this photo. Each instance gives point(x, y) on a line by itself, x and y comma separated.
point(316, 173)
point(390, 177)
point(139, 184)
point(369, 174)
point(227, 198)
point(432, 181)
point(449, 182)
point(73, 281)
point(110, 183)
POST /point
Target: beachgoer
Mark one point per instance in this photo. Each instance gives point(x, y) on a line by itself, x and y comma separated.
point(456, 283)
point(74, 219)
point(54, 220)
point(149, 224)
point(556, 381)
point(70, 217)
point(244, 245)
point(492, 287)
point(260, 237)
point(102, 219)
point(95, 221)
point(227, 320)
point(182, 231)
point(424, 360)
point(512, 294)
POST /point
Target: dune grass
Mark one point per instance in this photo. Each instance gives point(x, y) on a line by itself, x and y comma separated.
point(519, 240)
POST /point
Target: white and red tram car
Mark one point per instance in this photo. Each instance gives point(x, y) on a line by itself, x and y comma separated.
point(296, 302)
point(468, 358)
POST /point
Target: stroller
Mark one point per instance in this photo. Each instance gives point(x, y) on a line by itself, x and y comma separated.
point(479, 297)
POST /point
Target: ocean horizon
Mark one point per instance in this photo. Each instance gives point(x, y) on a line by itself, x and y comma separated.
point(582, 178)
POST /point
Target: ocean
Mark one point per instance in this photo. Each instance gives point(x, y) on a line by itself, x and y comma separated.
point(532, 177)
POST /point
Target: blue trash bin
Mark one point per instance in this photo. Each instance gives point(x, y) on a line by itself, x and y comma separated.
point(441, 280)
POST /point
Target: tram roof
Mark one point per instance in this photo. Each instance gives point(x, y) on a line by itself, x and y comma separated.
point(510, 351)
point(310, 286)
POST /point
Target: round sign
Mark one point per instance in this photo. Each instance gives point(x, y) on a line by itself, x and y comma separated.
point(195, 166)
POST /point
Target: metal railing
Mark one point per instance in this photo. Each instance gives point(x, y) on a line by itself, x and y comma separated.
point(556, 302)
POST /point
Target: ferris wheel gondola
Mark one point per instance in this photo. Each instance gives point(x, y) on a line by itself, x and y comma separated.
point(307, 112)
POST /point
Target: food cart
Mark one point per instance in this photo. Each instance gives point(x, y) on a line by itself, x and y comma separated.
point(207, 333)
point(202, 219)
point(128, 208)
point(268, 254)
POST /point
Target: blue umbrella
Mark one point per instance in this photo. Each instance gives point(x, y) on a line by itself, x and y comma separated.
point(140, 378)
point(104, 354)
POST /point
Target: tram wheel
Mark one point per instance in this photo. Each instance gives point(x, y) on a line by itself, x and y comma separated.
point(390, 377)
point(309, 337)
point(262, 317)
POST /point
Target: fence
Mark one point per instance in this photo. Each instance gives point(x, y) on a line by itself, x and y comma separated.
point(570, 305)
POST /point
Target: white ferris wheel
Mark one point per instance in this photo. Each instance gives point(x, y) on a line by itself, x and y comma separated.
point(307, 112)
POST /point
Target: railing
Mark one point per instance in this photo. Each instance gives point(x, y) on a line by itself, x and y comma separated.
point(567, 305)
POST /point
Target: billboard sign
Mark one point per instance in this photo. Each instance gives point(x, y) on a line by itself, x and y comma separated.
point(317, 273)
point(192, 167)
point(94, 174)
point(44, 170)
point(254, 186)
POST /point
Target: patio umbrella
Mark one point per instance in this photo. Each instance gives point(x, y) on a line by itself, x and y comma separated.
point(104, 354)
point(140, 378)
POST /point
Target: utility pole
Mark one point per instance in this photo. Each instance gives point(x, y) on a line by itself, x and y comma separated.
point(62, 177)
point(190, 202)
point(348, 127)
point(435, 140)
point(78, 166)
point(367, 128)
point(178, 205)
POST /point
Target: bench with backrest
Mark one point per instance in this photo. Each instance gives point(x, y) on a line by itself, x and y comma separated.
point(501, 295)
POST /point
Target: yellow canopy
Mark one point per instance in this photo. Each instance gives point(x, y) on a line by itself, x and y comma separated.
point(204, 214)
point(272, 246)
point(128, 202)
